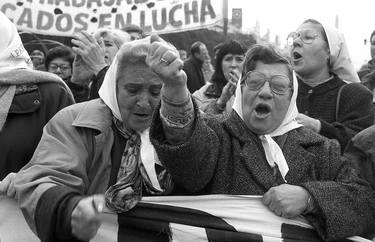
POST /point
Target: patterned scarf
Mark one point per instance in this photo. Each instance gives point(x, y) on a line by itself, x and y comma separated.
point(132, 177)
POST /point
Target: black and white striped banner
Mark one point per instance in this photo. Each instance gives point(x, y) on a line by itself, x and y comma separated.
point(181, 218)
point(205, 218)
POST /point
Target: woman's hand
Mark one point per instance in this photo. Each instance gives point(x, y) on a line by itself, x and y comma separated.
point(7, 185)
point(89, 58)
point(164, 60)
point(85, 219)
point(230, 88)
point(286, 200)
point(310, 123)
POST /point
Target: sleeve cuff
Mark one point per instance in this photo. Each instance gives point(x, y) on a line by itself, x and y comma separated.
point(53, 214)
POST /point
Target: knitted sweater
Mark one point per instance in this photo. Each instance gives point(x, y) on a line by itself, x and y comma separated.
point(355, 108)
point(225, 157)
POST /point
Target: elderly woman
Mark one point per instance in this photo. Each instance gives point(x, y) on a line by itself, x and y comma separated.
point(96, 147)
point(28, 99)
point(259, 149)
point(94, 54)
point(327, 104)
point(214, 96)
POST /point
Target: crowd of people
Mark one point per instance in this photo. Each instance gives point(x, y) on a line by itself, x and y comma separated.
point(121, 115)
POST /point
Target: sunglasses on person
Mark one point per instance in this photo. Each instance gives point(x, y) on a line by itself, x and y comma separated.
point(306, 36)
point(255, 81)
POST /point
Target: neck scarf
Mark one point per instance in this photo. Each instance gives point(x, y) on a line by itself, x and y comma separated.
point(140, 168)
point(273, 152)
point(339, 59)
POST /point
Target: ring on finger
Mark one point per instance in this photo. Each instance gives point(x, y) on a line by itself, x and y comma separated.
point(162, 60)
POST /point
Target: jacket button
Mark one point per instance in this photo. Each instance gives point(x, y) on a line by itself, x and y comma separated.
point(36, 102)
point(310, 91)
point(307, 112)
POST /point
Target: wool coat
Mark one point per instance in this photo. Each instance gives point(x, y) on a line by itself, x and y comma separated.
point(355, 111)
point(224, 157)
point(33, 105)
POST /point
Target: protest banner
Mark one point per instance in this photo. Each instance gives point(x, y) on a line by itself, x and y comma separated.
point(65, 17)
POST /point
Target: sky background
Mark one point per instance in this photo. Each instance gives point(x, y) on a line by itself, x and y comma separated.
point(356, 19)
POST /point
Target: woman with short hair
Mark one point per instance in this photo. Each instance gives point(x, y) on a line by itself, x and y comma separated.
point(259, 149)
point(59, 61)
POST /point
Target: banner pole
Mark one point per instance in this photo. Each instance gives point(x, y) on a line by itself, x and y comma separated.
point(225, 17)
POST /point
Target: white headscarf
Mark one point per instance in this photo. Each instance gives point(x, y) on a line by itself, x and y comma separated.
point(274, 154)
point(108, 94)
point(12, 52)
point(14, 57)
point(339, 59)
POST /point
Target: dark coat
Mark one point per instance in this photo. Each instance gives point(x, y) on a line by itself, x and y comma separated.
point(355, 112)
point(193, 70)
point(361, 151)
point(367, 74)
point(225, 157)
point(32, 107)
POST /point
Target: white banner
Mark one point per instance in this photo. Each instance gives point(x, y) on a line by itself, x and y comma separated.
point(65, 17)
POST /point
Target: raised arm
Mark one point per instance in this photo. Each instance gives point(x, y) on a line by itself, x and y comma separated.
point(176, 112)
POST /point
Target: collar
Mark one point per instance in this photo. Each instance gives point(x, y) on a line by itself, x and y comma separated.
point(332, 83)
point(238, 129)
point(95, 115)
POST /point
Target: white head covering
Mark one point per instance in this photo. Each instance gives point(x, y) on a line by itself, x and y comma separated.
point(339, 59)
point(12, 52)
point(273, 152)
point(130, 52)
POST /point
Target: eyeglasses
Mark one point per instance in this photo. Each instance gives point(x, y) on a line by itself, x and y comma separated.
point(307, 37)
point(254, 81)
point(54, 67)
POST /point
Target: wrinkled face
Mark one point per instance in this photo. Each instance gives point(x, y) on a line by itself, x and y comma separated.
point(372, 48)
point(230, 63)
point(138, 93)
point(110, 49)
point(263, 110)
point(311, 58)
point(60, 67)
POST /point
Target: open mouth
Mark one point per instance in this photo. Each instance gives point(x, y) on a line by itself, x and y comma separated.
point(296, 55)
point(142, 115)
point(262, 109)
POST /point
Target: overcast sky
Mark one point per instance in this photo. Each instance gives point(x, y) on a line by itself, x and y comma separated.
point(356, 19)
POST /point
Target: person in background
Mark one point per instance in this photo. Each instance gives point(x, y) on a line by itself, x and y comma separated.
point(134, 31)
point(193, 66)
point(361, 150)
point(37, 57)
point(216, 97)
point(59, 61)
point(207, 69)
point(183, 54)
point(28, 99)
point(259, 149)
point(94, 54)
point(96, 153)
point(367, 71)
point(328, 105)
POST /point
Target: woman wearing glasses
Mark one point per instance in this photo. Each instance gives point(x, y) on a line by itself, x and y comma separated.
point(326, 103)
point(259, 149)
point(59, 60)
